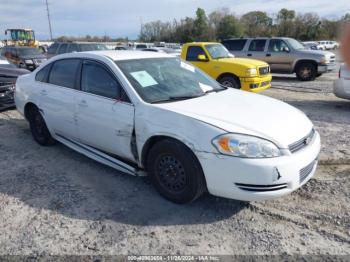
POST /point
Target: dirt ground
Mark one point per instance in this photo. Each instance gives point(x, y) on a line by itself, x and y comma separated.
point(56, 201)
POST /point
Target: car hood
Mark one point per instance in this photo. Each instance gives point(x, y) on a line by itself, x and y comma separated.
point(316, 52)
point(243, 112)
point(249, 63)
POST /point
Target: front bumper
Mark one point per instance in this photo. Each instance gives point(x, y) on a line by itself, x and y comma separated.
point(256, 84)
point(326, 68)
point(6, 96)
point(259, 179)
point(341, 88)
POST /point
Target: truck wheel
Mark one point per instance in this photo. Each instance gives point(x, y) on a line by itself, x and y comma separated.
point(175, 171)
point(306, 72)
point(230, 81)
point(39, 129)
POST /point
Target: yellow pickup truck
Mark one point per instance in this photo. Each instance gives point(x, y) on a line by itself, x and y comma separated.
point(216, 61)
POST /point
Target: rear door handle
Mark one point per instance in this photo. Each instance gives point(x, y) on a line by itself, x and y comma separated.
point(83, 103)
point(268, 54)
point(43, 92)
point(249, 54)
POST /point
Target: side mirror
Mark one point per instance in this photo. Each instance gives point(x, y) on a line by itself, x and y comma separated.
point(202, 58)
point(286, 49)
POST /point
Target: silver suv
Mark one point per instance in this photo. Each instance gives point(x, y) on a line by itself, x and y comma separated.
point(285, 55)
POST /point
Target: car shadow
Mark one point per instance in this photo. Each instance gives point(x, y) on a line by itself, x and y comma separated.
point(65, 182)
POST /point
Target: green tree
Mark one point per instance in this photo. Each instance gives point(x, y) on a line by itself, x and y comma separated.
point(257, 23)
point(229, 27)
point(201, 25)
point(285, 20)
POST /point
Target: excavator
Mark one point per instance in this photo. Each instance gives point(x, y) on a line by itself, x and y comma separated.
point(21, 37)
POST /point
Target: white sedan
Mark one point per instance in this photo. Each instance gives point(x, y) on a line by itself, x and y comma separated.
point(147, 113)
point(342, 85)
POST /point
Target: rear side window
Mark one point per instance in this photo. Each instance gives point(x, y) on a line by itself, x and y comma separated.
point(257, 45)
point(62, 49)
point(72, 48)
point(64, 72)
point(95, 79)
point(193, 52)
point(53, 48)
point(235, 45)
point(42, 75)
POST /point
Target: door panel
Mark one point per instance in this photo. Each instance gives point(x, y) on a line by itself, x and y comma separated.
point(278, 56)
point(105, 124)
point(104, 121)
point(257, 49)
point(59, 106)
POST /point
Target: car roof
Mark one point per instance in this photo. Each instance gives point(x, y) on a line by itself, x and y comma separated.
point(117, 55)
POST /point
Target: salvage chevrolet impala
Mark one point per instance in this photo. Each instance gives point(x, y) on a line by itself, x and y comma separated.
point(147, 113)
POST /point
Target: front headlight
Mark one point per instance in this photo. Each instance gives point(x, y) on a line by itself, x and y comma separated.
point(325, 60)
point(245, 146)
point(251, 72)
point(28, 61)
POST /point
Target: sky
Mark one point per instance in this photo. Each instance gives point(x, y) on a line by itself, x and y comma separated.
point(122, 18)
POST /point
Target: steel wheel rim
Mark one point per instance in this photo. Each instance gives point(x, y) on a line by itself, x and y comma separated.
point(305, 72)
point(172, 176)
point(228, 84)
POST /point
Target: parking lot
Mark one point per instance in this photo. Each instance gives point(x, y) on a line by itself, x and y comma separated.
point(54, 200)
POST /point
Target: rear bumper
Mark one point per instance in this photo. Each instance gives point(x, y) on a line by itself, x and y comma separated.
point(256, 84)
point(259, 179)
point(341, 88)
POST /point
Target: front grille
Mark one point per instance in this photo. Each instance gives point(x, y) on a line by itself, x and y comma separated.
point(300, 144)
point(261, 188)
point(264, 70)
point(306, 171)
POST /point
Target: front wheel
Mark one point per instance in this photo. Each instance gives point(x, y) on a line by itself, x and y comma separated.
point(39, 129)
point(230, 81)
point(306, 72)
point(175, 171)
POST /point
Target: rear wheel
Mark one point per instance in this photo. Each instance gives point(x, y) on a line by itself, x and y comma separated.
point(230, 81)
point(39, 129)
point(175, 171)
point(306, 72)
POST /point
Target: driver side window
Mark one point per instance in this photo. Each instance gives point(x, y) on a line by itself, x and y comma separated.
point(96, 79)
point(277, 45)
point(193, 52)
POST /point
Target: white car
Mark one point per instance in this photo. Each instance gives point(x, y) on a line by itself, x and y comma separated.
point(342, 85)
point(328, 45)
point(152, 113)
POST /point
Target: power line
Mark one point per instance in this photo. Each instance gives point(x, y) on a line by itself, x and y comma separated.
point(48, 17)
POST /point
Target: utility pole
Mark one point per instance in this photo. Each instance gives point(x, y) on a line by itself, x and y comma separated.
point(48, 17)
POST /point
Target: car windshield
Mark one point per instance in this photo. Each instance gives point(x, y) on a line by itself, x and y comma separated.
point(93, 47)
point(217, 51)
point(295, 44)
point(29, 51)
point(167, 79)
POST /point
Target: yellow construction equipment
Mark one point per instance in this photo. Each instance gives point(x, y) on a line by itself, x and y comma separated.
point(21, 37)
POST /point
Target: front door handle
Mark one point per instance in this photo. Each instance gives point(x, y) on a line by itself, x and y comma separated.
point(83, 103)
point(43, 92)
point(268, 54)
point(249, 54)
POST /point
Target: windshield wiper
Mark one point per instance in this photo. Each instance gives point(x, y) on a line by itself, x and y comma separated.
point(176, 98)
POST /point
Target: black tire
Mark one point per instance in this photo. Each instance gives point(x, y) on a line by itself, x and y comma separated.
point(306, 71)
point(39, 129)
point(175, 171)
point(230, 81)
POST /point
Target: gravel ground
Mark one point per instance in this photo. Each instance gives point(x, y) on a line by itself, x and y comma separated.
point(56, 201)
